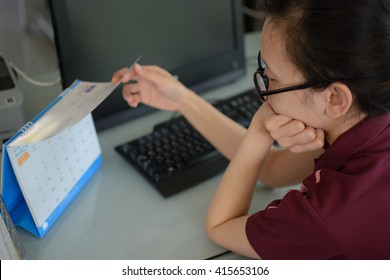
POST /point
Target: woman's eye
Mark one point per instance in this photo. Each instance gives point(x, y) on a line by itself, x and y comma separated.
point(271, 81)
point(268, 77)
point(272, 84)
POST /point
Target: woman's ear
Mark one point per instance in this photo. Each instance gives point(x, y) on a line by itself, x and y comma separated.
point(339, 99)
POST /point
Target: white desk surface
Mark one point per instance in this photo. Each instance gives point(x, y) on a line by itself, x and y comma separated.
point(119, 215)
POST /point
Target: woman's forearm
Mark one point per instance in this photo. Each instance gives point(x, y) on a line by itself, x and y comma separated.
point(222, 132)
point(228, 210)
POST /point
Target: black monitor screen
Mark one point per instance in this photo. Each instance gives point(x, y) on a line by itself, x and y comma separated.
point(199, 41)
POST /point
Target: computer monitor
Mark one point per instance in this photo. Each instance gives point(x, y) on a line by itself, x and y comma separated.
point(199, 41)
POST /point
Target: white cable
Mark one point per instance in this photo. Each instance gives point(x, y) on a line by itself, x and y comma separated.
point(32, 81)
point(253, 13)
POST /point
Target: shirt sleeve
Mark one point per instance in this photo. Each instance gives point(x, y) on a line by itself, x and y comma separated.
point(291, 229)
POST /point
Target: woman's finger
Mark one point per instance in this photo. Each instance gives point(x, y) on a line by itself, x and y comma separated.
point(128, 94)
point(315, 144)
point(288, 129)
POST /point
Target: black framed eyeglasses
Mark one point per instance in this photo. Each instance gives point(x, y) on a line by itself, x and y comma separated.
point(262, 82)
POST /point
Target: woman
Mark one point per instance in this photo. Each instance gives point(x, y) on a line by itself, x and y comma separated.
point(324, 76)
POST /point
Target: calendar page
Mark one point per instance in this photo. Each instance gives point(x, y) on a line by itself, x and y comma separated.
point(74, 104)
point(48, 170)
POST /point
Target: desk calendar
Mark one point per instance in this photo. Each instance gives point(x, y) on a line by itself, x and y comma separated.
point(48, 162)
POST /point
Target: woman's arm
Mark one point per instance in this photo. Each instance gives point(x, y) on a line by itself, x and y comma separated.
point(221, 131)
point(285, 168)
point(228, 211)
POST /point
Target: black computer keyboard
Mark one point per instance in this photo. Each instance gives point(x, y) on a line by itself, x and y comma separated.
point(174, 156)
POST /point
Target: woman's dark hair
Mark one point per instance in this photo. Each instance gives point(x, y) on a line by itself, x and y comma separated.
point(344, 41)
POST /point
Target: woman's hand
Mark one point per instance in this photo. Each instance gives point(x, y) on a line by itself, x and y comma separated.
point(153, 86)
point(292, 134)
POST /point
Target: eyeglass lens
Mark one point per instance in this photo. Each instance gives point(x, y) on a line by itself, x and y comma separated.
point(262, 82)
point(261, 79)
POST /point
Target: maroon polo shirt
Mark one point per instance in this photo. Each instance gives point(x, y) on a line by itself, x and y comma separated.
point(343, 208)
